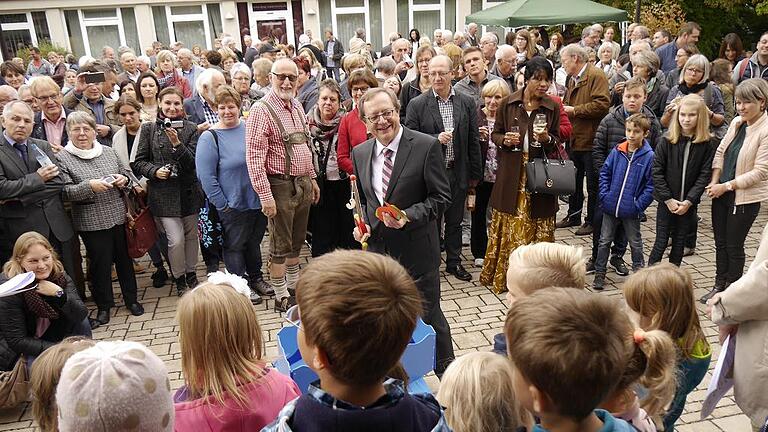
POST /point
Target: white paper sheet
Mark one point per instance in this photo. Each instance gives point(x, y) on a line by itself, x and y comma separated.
point(722, 377)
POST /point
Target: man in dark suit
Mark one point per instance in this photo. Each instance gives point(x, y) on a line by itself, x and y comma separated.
point(450, 117)
point(405, 168)
point(200, 108)
point(30, 193)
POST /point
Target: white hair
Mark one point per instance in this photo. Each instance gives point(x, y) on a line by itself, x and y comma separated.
point(492, 36)
point(185, 51)
point(84, 60)
point(504, 49)
point(304, 40)
point(448, 35)
point(278, 62)
point(458, 34)
point(605, 46)
point(240, 67)
point(227, 40)
point(144, 59)
point(205, 79)
point(394, 36)
point(9, 106)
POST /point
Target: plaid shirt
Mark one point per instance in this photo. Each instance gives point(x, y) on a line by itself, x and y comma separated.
point(446, 112)
point(211, 116)
point(393, 388)
point(264, 148)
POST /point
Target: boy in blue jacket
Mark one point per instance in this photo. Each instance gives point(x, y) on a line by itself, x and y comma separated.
point(626, 190)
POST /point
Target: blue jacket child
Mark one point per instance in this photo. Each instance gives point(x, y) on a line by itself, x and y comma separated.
point(626, 182)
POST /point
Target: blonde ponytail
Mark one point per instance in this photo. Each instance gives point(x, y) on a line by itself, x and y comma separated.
point(658, 353)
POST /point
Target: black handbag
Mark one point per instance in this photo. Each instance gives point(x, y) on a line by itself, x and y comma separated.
point(550, 176)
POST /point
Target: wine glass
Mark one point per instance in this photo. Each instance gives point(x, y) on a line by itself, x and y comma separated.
point(539, 126)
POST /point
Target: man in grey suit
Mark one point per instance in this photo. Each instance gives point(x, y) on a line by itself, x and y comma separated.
point(30, 194)
point(405, 168)
point(450, 117)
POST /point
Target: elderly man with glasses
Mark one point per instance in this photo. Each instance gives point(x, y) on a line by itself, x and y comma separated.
point(279, 160)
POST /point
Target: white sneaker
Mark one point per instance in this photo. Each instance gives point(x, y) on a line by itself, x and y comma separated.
point(479, 262)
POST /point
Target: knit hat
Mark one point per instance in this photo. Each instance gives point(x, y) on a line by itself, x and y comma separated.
point(115, 386)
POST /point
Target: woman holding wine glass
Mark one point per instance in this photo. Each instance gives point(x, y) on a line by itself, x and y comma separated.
point(527, 126)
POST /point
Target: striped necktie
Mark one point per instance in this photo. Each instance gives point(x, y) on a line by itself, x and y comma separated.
point(386, 171)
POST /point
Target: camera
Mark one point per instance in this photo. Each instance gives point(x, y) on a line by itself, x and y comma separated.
point(172, 124)
point(173, 168)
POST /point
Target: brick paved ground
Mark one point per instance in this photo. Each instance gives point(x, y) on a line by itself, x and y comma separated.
point(474, 312)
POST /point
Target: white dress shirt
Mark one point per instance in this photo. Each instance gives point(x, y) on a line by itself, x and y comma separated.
point(377, 164)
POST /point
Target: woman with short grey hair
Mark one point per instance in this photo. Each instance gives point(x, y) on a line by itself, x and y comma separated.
point(93, 175)
point(241, 82)
point(645, 64)
point(694, 78)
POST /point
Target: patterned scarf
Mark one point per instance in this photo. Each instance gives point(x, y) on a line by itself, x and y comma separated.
point(695, 89)
point(39, 307)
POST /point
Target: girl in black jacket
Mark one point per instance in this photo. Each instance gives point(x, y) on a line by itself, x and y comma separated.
point(681, 170)
point(35, 320)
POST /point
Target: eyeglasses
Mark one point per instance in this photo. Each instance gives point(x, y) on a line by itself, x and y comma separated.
point(359, 89)
point(694, 70)
point(435, 74)
point(47, 98)
point(242, 78)
point(293, 317)
point(282, 77)
point(386, 115)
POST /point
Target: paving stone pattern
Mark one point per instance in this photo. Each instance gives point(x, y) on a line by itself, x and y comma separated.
point(474, 312)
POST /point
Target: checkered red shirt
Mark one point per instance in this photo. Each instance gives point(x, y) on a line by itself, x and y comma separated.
point(265, 151)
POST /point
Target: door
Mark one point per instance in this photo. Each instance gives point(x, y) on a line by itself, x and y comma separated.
point(272, 19)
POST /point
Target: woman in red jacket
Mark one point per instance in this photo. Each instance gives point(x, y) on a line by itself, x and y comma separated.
point(352, 130)
point(168, 76)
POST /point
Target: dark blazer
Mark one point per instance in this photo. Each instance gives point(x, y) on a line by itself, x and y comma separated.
point(419, 186)
point(424, 116)
point(193, 107)
point(18, 324)
point(173, 197)
point(38, 131)
point(386, 50)
point(29, 204)
point(338, 50)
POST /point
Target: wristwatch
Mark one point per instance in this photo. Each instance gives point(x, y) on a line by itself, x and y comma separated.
point(60, 293)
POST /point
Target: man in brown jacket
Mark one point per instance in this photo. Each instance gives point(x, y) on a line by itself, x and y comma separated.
point(586, 103)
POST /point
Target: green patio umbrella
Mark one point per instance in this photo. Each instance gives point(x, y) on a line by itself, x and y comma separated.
point(519, 13)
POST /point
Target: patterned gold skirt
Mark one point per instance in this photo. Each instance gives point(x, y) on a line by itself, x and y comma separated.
point(507, 232)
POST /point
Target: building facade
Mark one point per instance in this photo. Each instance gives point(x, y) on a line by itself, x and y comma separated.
point(85, 26)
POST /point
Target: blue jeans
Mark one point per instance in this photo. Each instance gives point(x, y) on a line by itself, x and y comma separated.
point(690, 372)
point(631, 229)
point(243, 232)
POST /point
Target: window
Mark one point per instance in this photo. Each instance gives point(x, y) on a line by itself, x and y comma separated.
point(348, 15)
point(19, 31)
point(425, 16)
point(92, 29)
point(190, 24)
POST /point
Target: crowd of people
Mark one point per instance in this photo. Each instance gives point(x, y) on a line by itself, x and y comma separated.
point(421, 148)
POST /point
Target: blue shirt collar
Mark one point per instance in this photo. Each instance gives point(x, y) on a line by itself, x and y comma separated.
point(10, 140)
point(394, 392)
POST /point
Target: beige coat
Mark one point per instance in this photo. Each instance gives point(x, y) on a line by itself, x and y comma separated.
point(752, 164)
point(745, 303)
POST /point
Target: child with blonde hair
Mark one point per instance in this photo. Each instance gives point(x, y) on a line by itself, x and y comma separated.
point(537, 266)
point(652, 365)
point(662, 297)
point(45, 377)
point(228, 383)
point(478, 394)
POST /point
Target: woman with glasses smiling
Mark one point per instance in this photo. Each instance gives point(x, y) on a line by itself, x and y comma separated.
point(694, 79)
point(241, 82)
point(352, 130)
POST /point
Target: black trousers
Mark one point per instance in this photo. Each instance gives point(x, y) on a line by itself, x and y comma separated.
point(731, 224)
point(479, 240)
point(584, 169)
point(106, 247)
point(453, 216)
point(676, 226)
point(330, 221)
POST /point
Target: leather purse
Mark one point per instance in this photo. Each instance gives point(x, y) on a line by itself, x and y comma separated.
point(140, 229)
point(14, 385)
point(550, 176)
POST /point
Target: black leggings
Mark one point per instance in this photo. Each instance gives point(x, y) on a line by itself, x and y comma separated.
point(731, 224)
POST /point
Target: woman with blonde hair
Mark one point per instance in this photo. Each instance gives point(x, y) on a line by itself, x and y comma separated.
point(35, 320)
point(45, 377)
point(318, 71)
point(228, 384)
point(168, 75)
point(478, 393)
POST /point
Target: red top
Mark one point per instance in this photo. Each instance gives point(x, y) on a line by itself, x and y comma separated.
point(565, 124)
point(352, 131)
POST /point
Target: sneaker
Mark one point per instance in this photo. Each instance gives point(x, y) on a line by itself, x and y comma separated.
point(619, 267)
point(584, 230)
point(159, 277)
point(599, 283)
point(181, 285)
point(262, 287)
point(191, 278)
point(255, 297)
point(479, 262)
point(688, 251)
point(282, 305)
point(566, 223)
point(590, 266)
